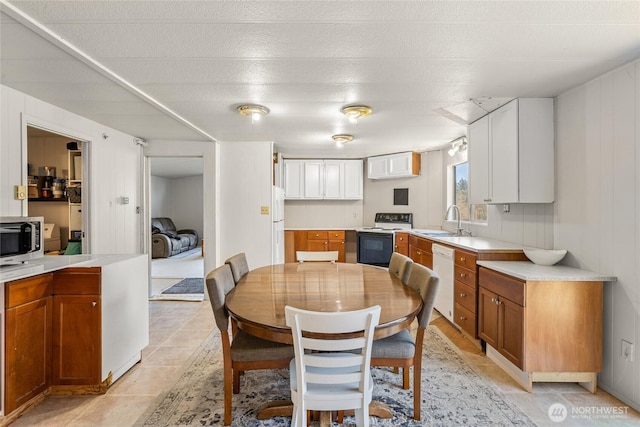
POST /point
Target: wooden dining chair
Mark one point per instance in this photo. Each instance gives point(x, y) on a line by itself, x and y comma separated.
point(331, 372)
point(239, 266)
point(330, 256)
point(401, 350)
point(242, 352)
point(399, 266)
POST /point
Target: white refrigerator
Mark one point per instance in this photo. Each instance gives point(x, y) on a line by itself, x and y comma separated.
point(277, 218)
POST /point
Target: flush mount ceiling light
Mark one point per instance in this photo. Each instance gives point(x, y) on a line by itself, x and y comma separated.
point(354, 112)
point(255, 111)
point(459, 144)
point(342, 139)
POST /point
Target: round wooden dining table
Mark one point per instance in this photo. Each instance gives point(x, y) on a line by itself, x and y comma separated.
point(258, 300)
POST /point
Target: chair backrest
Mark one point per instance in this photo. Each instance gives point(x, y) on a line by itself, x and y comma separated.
point(219, 283)
point(348, 367)
point(239, 266)
point(303, 256)
point(399, 266)
point(425, 281)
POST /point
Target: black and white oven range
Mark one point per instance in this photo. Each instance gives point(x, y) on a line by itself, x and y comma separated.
point(375, 244)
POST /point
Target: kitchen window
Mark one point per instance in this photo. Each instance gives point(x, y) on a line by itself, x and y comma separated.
point(460, 193)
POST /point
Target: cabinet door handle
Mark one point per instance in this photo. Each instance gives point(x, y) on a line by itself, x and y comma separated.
point(462, 259)
point(493, 300)
point(463, 318)
point(463, 275)
point(462, 295)
point(317, 235)
point(419, 253)
point(93, 303)
point(498, 302)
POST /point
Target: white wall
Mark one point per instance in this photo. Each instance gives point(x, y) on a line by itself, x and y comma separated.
point(338, 214)
point(187, 208)
point(245, 186)
point(597, 211)
point(114, 166)
point(425, 194)
point(160, 196)
point(179, 199)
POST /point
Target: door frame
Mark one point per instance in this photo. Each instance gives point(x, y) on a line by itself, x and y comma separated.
point(85, 140)
point(147, 235)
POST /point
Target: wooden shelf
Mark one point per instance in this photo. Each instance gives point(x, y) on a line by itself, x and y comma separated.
point(40, 199)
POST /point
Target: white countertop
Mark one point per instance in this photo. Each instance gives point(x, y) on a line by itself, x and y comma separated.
point(527, 270)
point(475, 244)
point(48, 264)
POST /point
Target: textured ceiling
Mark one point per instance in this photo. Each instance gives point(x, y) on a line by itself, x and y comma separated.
point(417, 64)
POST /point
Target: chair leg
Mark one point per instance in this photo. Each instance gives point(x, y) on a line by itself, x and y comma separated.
point(405, 377)
point(396, 370)
point(236, 381)
point(226, 346)
point(417, 374)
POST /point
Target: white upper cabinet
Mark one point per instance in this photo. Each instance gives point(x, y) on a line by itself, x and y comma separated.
point(511, 154)
point(399, 165)
point(353, 179)
point(294, 179)
point(323, 179)
point(314, 179)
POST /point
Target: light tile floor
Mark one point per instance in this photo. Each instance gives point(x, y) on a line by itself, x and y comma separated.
point(177, 328)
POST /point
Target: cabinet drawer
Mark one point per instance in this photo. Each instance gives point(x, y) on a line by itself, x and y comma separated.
point(77, 281)
point(465, 319)
point(424, 244)
point(402, 248)
point(317, 235)
point(26, 290)
point(465, 259)
point(464, 295)
point(503, 285)
point(464, 275)
point(336, 234)
point(402, 238)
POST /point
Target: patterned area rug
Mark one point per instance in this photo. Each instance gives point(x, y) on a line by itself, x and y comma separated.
point(453, 393)
point(190, 285)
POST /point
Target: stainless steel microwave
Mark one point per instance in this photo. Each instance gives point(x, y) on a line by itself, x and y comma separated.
point(21, 239)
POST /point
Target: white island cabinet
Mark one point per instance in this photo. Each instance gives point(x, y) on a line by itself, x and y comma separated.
point(72, 325)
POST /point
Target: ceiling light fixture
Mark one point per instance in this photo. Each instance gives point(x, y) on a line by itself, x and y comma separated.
point(457, 145)
point(342, 139)
point(254, 110)
point(354, 112)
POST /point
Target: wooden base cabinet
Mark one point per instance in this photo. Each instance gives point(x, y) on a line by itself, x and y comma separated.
point(28, 339)
point(420, 250)
point(542, 331)
point(401, 243)
point(77, 327)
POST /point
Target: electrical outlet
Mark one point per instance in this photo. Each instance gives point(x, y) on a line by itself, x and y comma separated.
point(264, 210)
point(627, 351)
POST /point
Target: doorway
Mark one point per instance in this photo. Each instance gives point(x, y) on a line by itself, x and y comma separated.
point(55, 175)
point(175, 188)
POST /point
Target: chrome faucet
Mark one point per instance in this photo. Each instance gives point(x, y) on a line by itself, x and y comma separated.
point(459, 230)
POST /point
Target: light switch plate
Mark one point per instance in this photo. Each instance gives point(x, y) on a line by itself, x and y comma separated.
point(21, 192)
point(264, 210)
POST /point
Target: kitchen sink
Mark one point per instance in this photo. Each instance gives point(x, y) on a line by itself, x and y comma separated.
point(436, 233)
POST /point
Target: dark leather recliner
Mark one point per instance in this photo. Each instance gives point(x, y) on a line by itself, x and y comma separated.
point(166, 241)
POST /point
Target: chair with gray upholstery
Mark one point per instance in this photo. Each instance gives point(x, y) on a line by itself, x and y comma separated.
point(399, 266)
point(401, 350)
point(239, 266)
point(242, 352)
